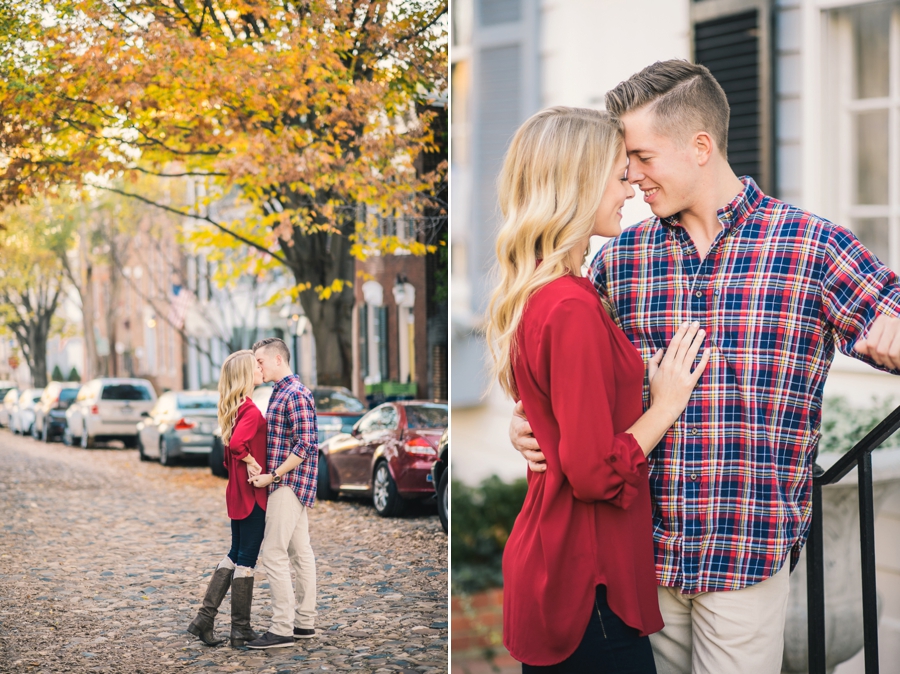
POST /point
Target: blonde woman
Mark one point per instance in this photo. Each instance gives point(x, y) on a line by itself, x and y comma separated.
point(244, 437)
point(579, 577)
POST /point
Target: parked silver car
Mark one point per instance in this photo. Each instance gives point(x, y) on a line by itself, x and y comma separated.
point(180, 424)
point(50, 412)
point(10, 397)
point(21, 418)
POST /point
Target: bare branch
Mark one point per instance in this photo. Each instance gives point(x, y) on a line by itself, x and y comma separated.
point(203, 218)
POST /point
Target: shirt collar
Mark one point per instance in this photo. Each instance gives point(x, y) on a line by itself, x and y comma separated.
point(280, 384)
point(735, 213)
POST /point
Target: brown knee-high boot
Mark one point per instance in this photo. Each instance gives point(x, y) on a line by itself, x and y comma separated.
point(241, 602)
point(202, 625)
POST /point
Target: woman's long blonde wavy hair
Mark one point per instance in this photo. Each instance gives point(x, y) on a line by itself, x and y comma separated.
point(235, 386)
point(553, 179)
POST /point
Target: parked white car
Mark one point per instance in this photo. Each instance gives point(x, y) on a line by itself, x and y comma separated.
point(8, 404)
point(108, 409)
point(21, 418)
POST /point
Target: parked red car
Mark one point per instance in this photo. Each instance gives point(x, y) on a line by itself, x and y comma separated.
point(388, 455)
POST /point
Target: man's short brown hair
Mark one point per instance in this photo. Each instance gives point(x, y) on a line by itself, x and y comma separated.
point(684, 97)
point(274, 343)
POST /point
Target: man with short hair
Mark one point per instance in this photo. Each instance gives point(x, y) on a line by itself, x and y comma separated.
point(291, 459)
point(775, 288)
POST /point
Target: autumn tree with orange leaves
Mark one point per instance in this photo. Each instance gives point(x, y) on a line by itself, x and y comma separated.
point(307, 117)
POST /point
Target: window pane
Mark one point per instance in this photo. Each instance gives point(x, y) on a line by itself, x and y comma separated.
point(872, 157)
point(125, 392)
point(871, 37)
point(873, 232)
point(426, 416)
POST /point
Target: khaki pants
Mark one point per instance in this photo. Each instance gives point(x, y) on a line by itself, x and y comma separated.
point(732, 632)
point(286, 546)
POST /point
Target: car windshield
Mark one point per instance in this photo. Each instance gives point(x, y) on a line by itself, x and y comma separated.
point(198, 402)
point(336, 400)
point(37, 396)
point(426, 416)
point(125, 392)
point(68, 394)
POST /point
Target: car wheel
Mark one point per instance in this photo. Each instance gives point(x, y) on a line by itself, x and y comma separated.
point(140, 449)
point(387, 500)
point(324, 492)
point(87, 441)
point(165, 457)
point(217, 459)
point(442, 496)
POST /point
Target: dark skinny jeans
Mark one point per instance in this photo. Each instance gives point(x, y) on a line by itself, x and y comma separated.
point(609, 646)
point(246, 537)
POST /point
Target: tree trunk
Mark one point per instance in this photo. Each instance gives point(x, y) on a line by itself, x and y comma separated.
point(332, 325)
point(320, 259)
point(32, 337)
point(38, 362)
point(88, 311)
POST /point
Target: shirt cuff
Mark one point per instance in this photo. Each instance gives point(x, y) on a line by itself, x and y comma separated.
point(627, 460)
point(241, 453)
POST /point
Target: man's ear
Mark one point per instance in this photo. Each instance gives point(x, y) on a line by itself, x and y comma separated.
point(703, 145)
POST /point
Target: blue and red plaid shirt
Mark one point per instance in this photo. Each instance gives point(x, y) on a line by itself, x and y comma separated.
point(731, 481)
point(292, 429)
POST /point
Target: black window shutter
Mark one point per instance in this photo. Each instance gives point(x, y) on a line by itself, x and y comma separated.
point(364, 339)
point(729, 47)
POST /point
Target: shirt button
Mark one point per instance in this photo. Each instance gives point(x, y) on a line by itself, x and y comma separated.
point(693, 477)
point(694, 431)
point(699, 293)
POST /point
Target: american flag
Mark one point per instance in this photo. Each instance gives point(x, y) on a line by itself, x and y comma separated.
point(181, 300)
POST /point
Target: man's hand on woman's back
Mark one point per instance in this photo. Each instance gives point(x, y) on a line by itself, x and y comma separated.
point(523, 440)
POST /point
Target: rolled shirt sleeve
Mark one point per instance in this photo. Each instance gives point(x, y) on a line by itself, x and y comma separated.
point(301, 412)
point(856, 288)
point(601, 465)
point(245, 427)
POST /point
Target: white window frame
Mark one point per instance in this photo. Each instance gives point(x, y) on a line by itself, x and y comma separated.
point(844, 107)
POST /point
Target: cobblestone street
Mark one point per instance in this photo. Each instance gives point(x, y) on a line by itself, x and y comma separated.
point(104, 560)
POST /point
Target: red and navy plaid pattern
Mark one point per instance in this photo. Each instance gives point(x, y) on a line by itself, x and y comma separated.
point(292, 429)
point(778, 289)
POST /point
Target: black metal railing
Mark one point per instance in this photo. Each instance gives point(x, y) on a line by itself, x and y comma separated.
point(860, 456)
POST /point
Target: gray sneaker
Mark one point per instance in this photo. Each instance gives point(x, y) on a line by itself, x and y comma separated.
point(304, 633)
point(269, 640)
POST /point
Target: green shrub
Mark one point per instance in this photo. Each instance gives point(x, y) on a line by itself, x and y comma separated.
point(57, 374)
point(482, 518)
point(844, 425)
point(74, 376)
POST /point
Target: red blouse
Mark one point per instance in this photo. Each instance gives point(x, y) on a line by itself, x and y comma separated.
point(248, 437)
point(586, 520)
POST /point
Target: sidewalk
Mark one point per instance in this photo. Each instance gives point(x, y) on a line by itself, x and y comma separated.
point(104, 560)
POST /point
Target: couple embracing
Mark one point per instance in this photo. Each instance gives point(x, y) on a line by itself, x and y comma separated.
point(265, 508)
point(666, 504)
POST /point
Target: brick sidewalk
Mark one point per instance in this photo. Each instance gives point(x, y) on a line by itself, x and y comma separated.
point(104, 560)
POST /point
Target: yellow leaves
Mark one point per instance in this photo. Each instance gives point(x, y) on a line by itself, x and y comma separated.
point(337, 286)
